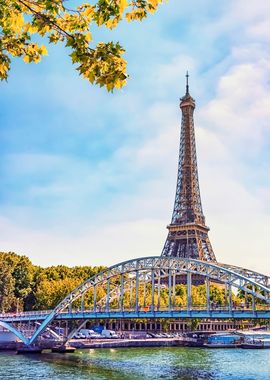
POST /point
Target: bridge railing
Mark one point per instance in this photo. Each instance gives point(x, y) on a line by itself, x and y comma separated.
point(25, 313)
point(147, 309)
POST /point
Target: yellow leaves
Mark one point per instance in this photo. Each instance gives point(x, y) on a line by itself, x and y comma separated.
point(153, 5)
point(26, 59)
point(112, 23)
point(137, 14)
point(16, 22)
point(33, 53)
point(43, 50)
point(29, 28)
point(119, 83)
point(55, 37)
point(4, 66)
point(103, 65)
point(123, 4)
point(141, 9)
point(86, 10)
point(129, 17)
point(88, 37)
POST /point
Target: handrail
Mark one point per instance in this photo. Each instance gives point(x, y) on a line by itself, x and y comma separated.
point(146, 309)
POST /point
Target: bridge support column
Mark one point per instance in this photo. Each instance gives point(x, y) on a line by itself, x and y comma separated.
point(144, 291)
point(170, 290)
point(253, 300)
point(130, 293)
point(108, 295)
point(153, 290)
point(82, 303)
point(122, 293)
point(95, 298)
point(226, 294)
point(158, 305)
point(207, 284)
point(246, 299)
point(189, 284)
point(137, 292)
point(173, 289)
point(230, 296)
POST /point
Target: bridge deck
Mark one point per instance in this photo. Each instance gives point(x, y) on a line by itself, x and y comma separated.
point(193, 313)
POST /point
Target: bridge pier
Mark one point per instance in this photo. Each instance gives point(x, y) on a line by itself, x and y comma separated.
point(28, 349)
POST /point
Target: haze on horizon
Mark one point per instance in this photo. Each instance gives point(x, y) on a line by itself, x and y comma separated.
point(88, 178)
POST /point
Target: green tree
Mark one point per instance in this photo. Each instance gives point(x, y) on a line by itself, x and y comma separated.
point(7, 282)
point(217, 294)
point(193, 324)
point(50, 292)
point(22, 21)
point(23, 277)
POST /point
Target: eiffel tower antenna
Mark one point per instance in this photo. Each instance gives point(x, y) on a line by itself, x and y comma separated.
point(188, 234)
point(187, 85)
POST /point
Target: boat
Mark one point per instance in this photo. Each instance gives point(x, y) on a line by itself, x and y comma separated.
point(256, 343)
point(255, 339)
point(223, 341)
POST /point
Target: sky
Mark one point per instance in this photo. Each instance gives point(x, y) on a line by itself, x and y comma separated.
point(88, 177)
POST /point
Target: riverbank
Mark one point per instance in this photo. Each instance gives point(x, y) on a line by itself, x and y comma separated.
point(123, 343)
point(112, 343)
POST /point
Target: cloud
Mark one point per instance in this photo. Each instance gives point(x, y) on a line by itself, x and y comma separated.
point(94, 247)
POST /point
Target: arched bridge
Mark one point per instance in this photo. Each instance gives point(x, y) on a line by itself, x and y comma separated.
point(152, 287)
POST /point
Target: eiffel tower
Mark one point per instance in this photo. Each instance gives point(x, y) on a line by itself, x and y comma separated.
point(188, 234)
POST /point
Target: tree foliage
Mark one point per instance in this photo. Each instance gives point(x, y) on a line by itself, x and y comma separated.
point(24, 286)
point(22, 22)
point(7, 298)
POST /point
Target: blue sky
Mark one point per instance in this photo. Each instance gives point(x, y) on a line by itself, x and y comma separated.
point(88, 177)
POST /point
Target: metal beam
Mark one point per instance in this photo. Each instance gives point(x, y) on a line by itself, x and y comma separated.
point(153, 290)
point(189, 284)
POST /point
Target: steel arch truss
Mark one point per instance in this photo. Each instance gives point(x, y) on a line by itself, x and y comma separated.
point(138, 283)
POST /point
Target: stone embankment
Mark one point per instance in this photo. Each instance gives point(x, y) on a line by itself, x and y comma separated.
point(118, 343)
point(105, 343)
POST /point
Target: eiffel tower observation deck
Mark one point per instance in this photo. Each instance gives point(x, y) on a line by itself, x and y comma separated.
point(188, 233)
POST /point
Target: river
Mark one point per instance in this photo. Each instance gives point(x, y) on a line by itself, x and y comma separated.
point(139, 363)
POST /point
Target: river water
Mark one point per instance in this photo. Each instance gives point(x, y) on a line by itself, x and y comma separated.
point(139, 363)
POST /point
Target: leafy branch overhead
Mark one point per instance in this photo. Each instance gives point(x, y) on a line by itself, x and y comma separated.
point(103, 64)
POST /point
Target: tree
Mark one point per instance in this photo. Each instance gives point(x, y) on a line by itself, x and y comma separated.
point(50, 292)
point(23, 21)
point(23, 275)
point(7, 298)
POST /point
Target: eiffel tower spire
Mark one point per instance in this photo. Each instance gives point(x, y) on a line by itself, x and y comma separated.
point(188, 234)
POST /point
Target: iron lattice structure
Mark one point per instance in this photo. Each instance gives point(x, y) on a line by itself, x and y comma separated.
point(188, 234)
point(135, 289)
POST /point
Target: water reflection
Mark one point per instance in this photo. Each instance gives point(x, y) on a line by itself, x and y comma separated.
point(148, 363)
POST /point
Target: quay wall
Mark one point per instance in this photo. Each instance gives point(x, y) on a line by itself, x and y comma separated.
point(122, 343)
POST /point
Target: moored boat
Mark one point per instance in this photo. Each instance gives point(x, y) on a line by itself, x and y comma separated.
point(255, 339)
point(223, 341)
point(256, 343)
